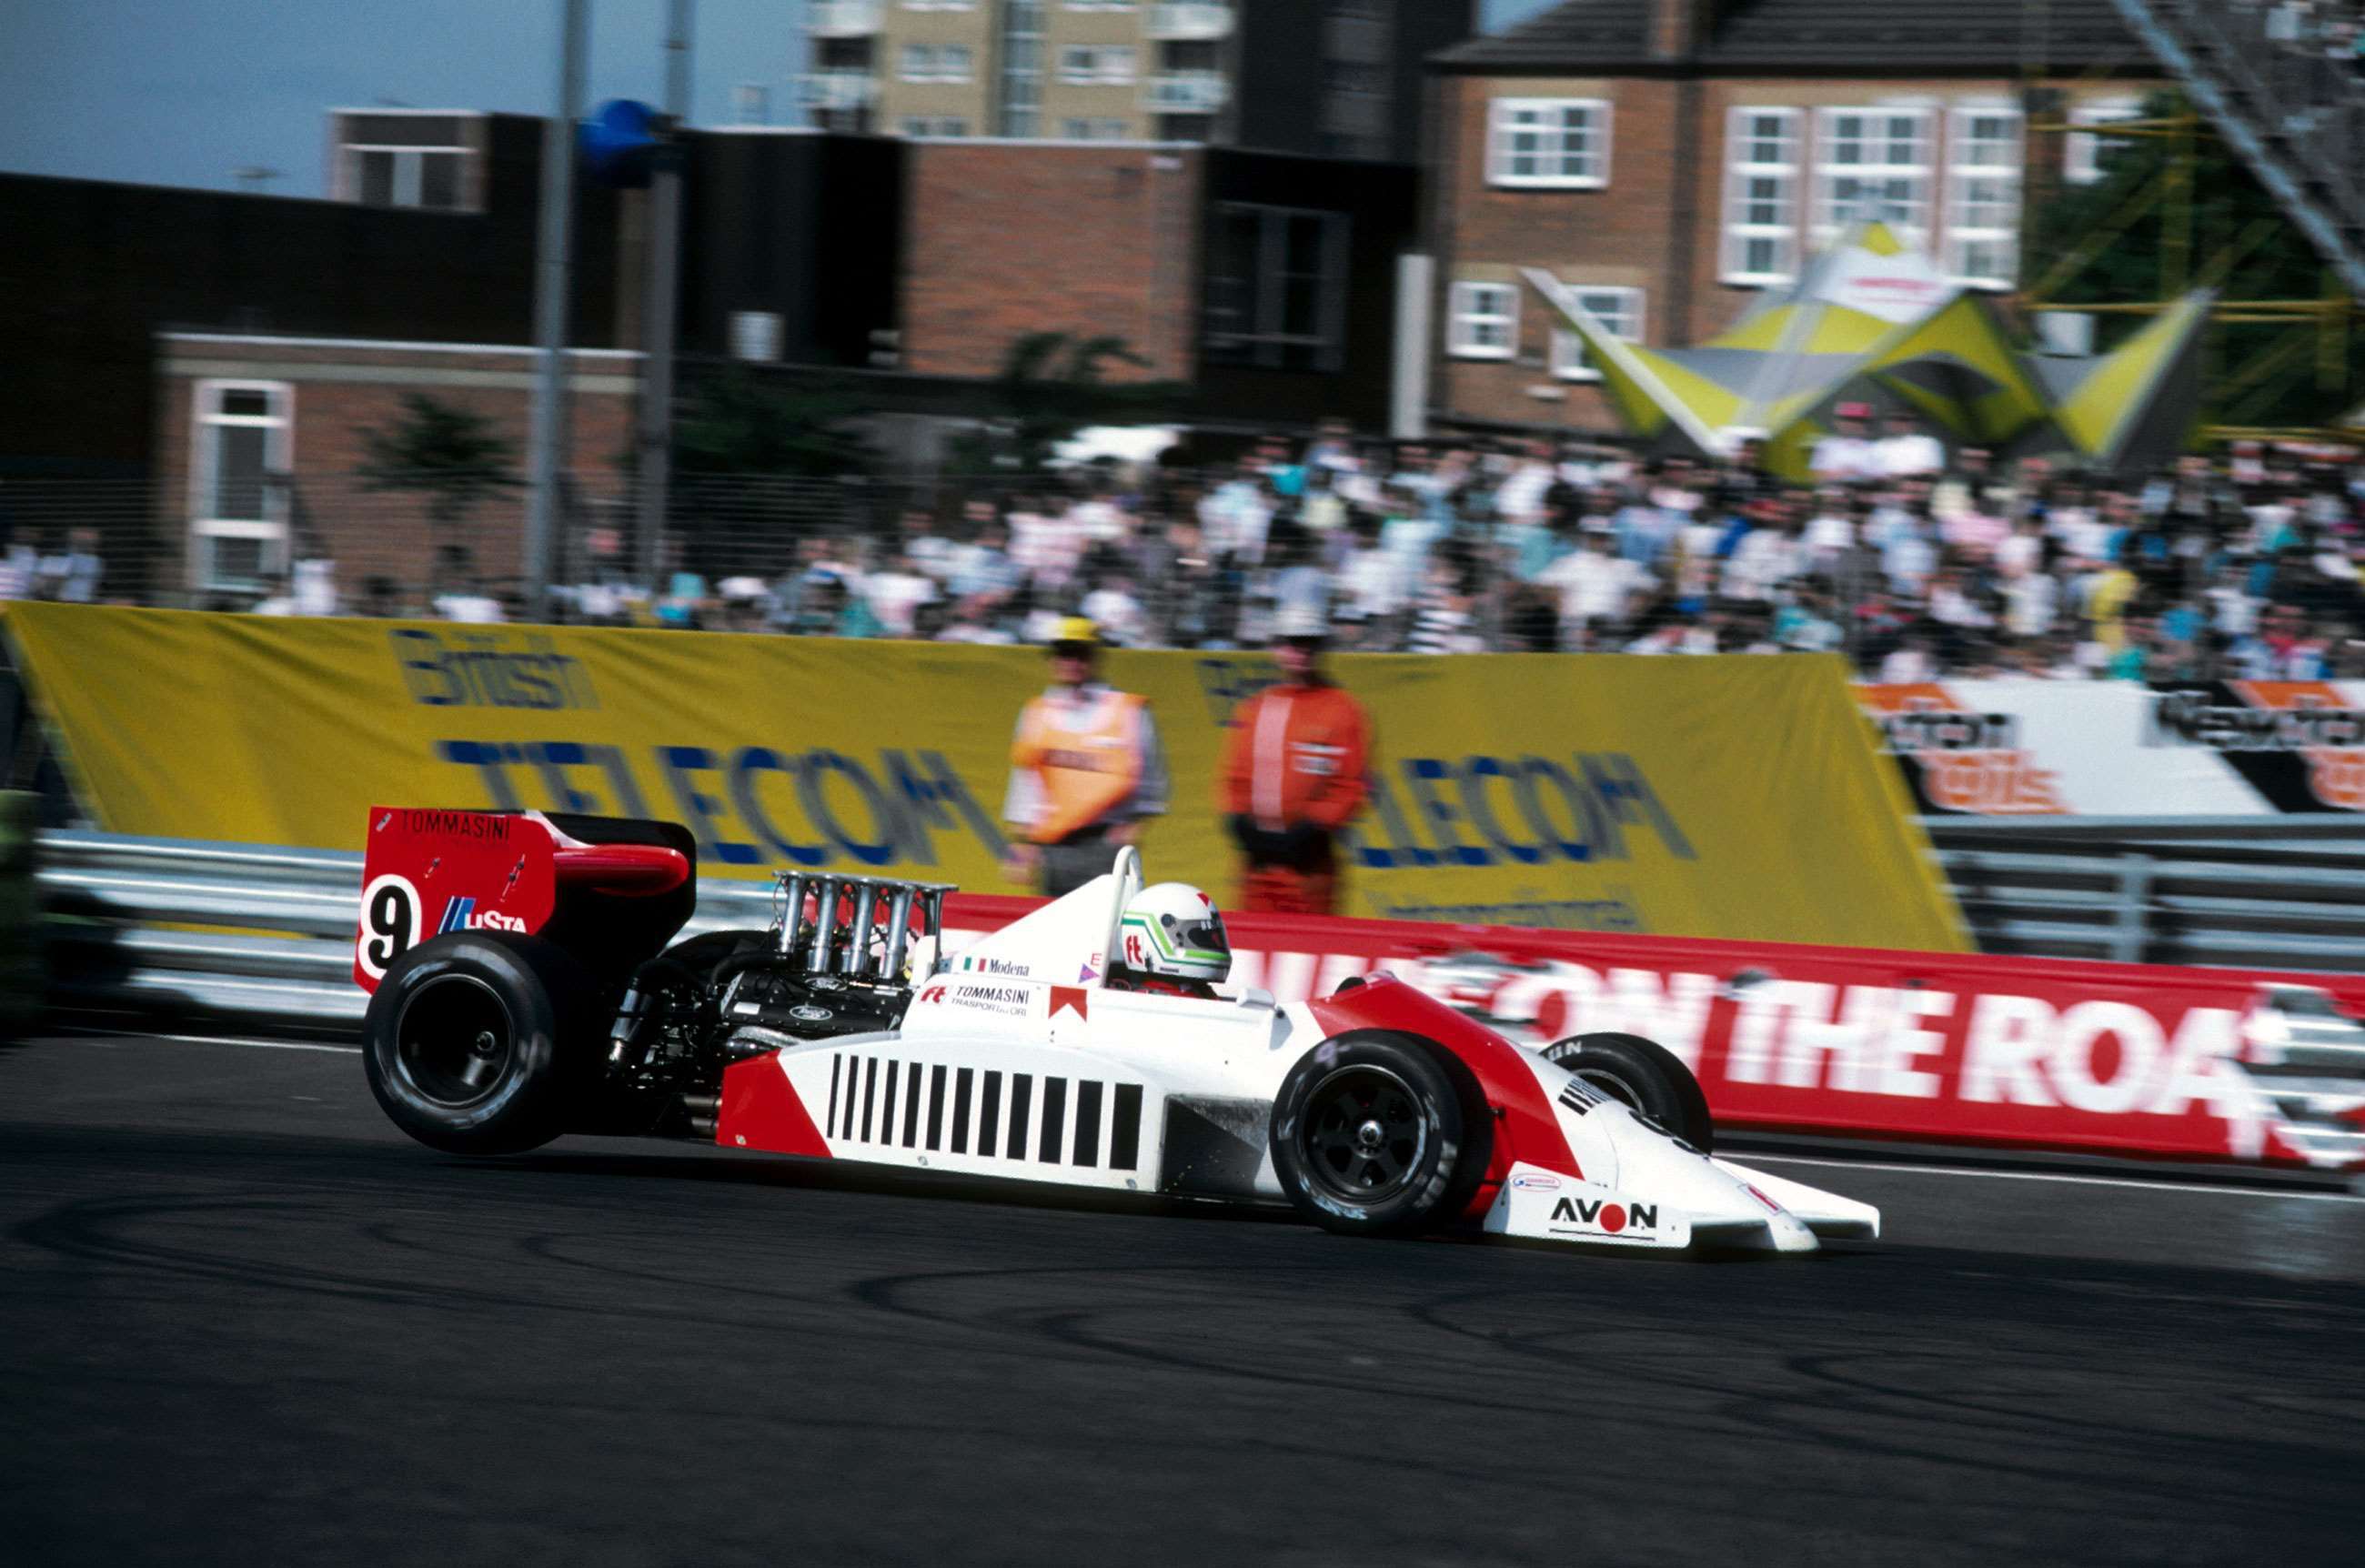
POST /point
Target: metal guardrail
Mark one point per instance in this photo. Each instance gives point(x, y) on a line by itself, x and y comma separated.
point(2269, 892)
point(240, 933)
point(142, 929)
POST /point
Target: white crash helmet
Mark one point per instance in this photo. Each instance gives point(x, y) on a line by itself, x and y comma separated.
point(1173, 930)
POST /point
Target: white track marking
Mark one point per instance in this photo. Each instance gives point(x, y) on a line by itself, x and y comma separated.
point(1740, 1157)
point(229, 1040)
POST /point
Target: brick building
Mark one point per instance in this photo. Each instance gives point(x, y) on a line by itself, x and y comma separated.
point(1258, 288)
point(259, 439)
point(1672, 159)
point(1263, 287)
point(91, 271)
point(189, 366)
point(193, 367)
point(1086, 239)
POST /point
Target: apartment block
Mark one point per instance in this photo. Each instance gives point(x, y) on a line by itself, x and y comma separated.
point(1673, 159)
point(1340, 78)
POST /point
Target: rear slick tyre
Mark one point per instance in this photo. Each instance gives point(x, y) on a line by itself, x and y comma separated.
point(1372, 1136)
point(466, 1042)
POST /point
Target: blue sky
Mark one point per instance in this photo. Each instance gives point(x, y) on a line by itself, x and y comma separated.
point(184, 92)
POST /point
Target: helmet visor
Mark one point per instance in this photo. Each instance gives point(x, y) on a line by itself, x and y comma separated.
point(1202, 939)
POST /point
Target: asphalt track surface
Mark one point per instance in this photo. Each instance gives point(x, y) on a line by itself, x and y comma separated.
point(242, 1319)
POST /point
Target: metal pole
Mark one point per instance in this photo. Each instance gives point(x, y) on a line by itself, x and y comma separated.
point(551, 259)
point(653, 440)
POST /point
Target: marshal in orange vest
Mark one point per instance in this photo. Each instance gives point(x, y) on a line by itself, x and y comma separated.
point(1086, 755)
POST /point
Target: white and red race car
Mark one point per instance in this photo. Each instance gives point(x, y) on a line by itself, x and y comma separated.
point(547, 1001)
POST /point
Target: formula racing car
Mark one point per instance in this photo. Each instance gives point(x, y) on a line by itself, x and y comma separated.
point(527, 983)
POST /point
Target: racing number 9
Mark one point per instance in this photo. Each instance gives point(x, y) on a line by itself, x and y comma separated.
point(389, 922)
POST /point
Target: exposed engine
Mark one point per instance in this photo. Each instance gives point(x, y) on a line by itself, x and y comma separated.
point(835, 961)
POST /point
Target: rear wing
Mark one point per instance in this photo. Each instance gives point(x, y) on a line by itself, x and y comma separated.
point(613, 890)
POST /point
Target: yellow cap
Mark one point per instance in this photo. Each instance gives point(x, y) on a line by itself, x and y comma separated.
point(1076, 629)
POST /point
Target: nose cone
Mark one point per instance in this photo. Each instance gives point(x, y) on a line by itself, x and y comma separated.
point(1726, 1210)
point(1790, 1233)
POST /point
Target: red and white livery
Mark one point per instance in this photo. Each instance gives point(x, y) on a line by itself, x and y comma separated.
point(847, 1032)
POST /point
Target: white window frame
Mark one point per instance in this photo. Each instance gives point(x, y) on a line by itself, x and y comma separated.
point(1094, 127)
point(1096, 64)
point(1459, 341)
point(278, 457)
point(2081, 153)
point(1743, 168)
point(1963, 172)
point(934, 62)
point(1502, 115)
point(1829, 221)
point(938, 126)
point(1624, 318)
point(940, 5)
point(408, 172)
point(1100, 5)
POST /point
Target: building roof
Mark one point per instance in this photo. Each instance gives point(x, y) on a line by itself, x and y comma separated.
point(1583, 34)
point(1814, 38)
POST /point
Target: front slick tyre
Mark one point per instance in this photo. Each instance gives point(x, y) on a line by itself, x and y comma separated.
point(1372, 1138)
point(465, 1041)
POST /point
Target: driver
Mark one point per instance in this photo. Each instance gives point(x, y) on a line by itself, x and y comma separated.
point(1171, 941)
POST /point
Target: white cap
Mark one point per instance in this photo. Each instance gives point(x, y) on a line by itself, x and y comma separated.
point(1299, 621)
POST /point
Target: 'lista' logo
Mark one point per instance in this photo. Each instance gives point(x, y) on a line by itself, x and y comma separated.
point(460, 915)
point(1612, 1218)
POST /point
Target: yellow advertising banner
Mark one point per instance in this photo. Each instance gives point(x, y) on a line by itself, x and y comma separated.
point(1732, 797)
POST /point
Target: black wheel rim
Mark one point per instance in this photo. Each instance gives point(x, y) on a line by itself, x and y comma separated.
point(1364, 1134)
point(452, 1040)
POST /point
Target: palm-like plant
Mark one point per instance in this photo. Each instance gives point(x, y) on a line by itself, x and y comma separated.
point(449, 455)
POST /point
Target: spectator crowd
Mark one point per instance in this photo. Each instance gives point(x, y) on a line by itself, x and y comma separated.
point(1911, 560)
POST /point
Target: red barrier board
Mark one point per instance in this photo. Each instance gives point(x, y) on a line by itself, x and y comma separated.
point(2030, 1052)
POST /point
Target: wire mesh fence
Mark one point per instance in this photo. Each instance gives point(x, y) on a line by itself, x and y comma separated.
point(2254, 566)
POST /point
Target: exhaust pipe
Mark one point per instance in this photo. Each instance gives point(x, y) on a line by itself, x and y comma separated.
point(824, 918)
point(899, 932)
point(793, 918)
point(869, 954)
point(857, 936)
